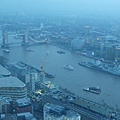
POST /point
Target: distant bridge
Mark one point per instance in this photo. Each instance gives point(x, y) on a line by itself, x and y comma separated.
point(22, 42)
point(37, 40)
point(26, 39)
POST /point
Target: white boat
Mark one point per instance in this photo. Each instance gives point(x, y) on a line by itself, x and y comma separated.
point(95, 89)
point(6, 50)
point(69, 67)
point(30, 50)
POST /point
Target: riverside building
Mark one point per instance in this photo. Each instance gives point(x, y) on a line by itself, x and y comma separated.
point(12, 87)
point(57, 112)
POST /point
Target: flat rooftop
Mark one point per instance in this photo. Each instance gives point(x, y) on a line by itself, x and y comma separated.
point(26, 114)
point(11, 82)
point(23, 101)
point(4, 71)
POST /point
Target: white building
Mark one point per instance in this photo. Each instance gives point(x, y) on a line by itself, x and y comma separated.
point(12, 87)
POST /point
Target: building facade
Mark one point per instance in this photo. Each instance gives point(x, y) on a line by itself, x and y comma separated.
point(57, 112)
point(23, 105)
point(12, 87)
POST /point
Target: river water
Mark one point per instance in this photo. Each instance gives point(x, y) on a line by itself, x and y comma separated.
point(72, 80)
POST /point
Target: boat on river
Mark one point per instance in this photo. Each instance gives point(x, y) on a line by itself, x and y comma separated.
point(95, 89)
point(104, 67)
point(61, 52)
point(6, 50)
point(30, 50)
point(69, 67)
point(48, 75)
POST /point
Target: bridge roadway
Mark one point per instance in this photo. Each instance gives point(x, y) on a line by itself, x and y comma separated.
point(83, 112)
point(36, 42)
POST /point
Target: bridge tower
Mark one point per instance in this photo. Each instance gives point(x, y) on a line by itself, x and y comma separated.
point(5, 39)
point(25, 38)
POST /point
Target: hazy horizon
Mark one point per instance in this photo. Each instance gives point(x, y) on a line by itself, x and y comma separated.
point(60, 7)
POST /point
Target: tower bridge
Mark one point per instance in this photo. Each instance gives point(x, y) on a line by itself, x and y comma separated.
point(6, 35)
point(26, 38)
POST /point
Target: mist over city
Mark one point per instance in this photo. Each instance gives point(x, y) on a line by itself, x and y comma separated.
point(62, 7)
point(59, 60)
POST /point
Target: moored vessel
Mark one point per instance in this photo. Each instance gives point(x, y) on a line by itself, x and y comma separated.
point(104, 67)
point(95, 89)
point(69, 67)
point(6, 50)
point(30, 50)
point(61, 52)
point(49, 75)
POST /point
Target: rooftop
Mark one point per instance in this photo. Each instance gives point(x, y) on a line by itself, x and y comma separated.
point(71, 113)
point(4, 71)
point(11, 82)
point(49, 85)
point(27, 115)
point(23, 101)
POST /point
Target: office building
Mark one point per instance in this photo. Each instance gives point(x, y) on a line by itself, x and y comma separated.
point(23, 105)
point(12, 87)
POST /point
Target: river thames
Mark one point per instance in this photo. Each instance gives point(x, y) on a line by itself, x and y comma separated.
point(72, 80)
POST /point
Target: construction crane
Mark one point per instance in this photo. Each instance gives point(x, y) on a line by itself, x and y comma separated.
point(42, 73)
point(43, 63)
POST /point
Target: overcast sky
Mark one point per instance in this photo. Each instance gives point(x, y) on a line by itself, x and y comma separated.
point(59, 6)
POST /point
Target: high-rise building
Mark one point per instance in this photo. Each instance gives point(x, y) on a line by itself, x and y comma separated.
point(117, 54)
point(77, 43)
point(32, 82)
point(109, 53)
